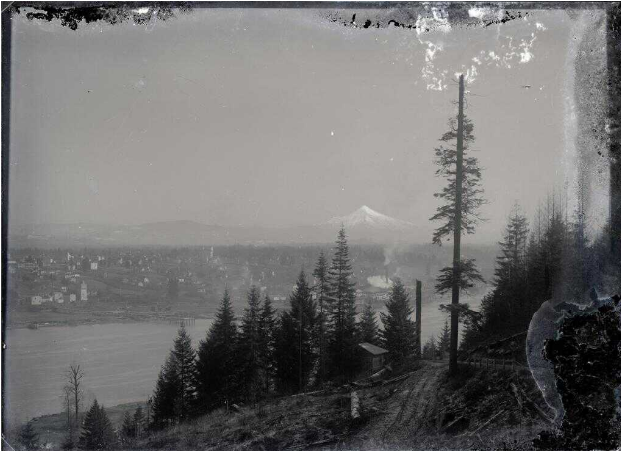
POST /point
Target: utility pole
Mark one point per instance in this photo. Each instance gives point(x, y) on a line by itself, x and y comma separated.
point(419, 296)
point(459, 177)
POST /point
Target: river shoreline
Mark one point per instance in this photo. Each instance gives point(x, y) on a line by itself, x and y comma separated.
point(95, 319)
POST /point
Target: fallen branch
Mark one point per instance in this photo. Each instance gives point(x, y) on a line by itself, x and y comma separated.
point(517, 396)
point(532, 403)
point(309, 393)
point(486, 423)
point(398, 378)
point(455, 421)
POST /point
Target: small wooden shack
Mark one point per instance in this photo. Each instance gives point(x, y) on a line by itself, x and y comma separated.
point(373, 358)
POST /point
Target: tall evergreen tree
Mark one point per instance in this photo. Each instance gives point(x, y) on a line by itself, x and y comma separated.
point(321, 289)
point(430, 349)
point(511, 269)
point(367, 327)
point(216, 363)
point(444, 341)
point(267, 337)
point(139, 422)
point(128, 431)
point(554, 250)
point(166, 394)
point(399, 332)
point(185, 371)
point(295, 352)
point(28, 437)
point(342, 312)
point(286, 354)
point(248, 349)
point(462, 198)
point(97, 430)
point(510, 264)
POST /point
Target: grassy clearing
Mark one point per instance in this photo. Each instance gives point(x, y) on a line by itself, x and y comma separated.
point(494, 418)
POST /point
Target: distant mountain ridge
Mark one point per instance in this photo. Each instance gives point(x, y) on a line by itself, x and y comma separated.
point(363, 225)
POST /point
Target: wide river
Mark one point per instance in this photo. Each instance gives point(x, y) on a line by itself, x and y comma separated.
point(120, 361)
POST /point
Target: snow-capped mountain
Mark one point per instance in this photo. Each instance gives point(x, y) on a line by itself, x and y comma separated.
point(366, 217)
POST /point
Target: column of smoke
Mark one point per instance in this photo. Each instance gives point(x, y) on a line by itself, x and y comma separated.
point(389, 254)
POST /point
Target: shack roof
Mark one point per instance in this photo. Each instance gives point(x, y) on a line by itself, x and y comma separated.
point(372, 349)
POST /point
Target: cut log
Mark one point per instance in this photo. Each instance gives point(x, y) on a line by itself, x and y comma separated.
point(355, 405)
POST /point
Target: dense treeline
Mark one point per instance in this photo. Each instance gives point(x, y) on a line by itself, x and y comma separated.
point(554, 259)
point(264, 354)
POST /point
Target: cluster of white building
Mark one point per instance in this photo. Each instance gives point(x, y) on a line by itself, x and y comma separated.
point(58, 297)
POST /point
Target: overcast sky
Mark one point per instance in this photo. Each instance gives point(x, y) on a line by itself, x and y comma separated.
point(276, 117)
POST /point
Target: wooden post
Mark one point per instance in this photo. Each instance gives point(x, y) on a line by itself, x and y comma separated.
point(419, 302)
point(355, 405)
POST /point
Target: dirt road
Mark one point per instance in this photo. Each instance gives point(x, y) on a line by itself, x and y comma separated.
point(409, 412)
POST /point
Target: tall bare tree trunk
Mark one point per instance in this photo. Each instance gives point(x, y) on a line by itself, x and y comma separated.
point(459, 176)
point(67, 401)
point(74, 381)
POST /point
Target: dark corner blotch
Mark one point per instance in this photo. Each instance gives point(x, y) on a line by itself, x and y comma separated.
point(586, 357)
point(73, 16)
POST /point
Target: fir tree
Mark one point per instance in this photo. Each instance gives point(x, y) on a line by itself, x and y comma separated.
point(216, 363)
point(510, 273)
point(399, 333)
point(295, 352)
point(430, 349)
point(97, 430)
point(286, 354)
point(267, 337)
point(248, 349)
point(139, 422)
point(367, 327)
point(510, 264)
point(444, 341)
point(321, 289)
point(166, 394)
point(185, 372)
point(342, 312)
point(28, 437)
point(128, 430)
point(175, 389)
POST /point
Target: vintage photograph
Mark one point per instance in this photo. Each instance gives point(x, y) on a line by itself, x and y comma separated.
point(311, 226)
